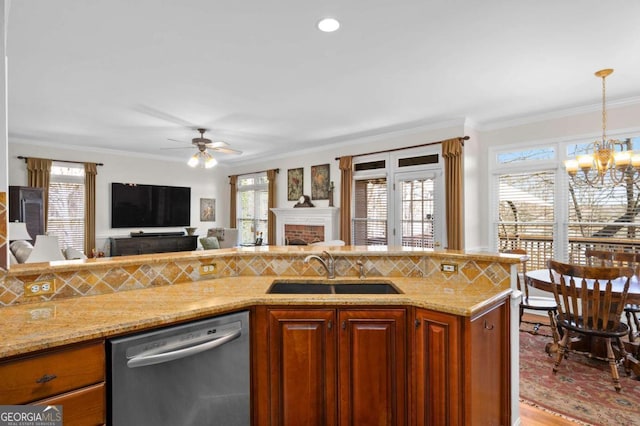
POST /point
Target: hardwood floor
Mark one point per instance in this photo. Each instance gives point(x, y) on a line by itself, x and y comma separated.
point(532, 416)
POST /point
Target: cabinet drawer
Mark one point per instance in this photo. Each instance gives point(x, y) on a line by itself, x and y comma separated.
point(82, 407)
point(41, 376)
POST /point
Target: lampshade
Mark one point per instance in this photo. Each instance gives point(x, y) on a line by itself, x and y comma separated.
point(203, 159)
point(46, 249)
point(18, 231)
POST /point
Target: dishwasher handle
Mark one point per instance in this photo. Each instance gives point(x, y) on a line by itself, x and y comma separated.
point(144, 360)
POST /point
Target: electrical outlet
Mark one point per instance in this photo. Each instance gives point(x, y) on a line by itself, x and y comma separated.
point(39, 288)
point(207, 269)
point(449, 267)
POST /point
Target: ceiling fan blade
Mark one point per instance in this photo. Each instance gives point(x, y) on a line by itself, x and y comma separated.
point(218, 144)
point(176, 140)
point(179, 147)
point(225, 150)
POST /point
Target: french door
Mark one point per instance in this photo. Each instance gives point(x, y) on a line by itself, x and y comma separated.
point(418, 210)
point(399, 200)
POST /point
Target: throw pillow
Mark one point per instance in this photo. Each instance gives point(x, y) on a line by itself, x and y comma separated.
point(21, 250)
point(209, 243)
point(71, 253)
point(216, 232)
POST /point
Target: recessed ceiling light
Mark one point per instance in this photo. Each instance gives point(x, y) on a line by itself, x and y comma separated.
point(328, 25)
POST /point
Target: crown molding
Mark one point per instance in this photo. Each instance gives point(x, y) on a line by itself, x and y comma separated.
point(556, 114)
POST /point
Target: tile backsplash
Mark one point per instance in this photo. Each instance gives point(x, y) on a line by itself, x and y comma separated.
point(115, 274)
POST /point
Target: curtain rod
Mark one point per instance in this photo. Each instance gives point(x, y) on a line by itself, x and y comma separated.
point(253, 173)
point(463, 138)
point(61, 161)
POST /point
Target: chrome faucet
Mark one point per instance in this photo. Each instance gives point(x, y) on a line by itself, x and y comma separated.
point(328, 263)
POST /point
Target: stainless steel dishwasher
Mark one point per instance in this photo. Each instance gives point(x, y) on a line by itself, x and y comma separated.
point(191, 374)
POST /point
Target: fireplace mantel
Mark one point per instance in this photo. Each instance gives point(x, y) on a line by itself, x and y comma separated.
point(319, 216)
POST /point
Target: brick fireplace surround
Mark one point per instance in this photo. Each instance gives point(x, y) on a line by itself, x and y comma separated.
point(296, 234)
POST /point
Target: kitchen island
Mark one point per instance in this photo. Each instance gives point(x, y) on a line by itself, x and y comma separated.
point(454, 303)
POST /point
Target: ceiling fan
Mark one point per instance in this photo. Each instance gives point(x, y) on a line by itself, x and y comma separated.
point(203, 157)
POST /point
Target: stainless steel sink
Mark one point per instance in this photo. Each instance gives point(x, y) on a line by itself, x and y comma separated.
point(334, 287)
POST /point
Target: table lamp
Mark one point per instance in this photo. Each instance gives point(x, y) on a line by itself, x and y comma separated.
point(18, 231)
point(46, 249)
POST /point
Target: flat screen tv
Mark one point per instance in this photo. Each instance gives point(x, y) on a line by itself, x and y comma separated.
point(136, 206)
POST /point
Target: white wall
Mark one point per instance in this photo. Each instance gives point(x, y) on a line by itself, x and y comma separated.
point(204, 183)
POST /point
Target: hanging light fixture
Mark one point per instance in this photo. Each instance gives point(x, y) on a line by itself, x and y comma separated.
point(605, 166)
point(202, 158)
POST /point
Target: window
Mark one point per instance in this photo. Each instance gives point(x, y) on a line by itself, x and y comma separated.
point(370, 212)
point(526, 214)
point(66, 204)
point(418, 203)
point(253, 199)
point(541, 209)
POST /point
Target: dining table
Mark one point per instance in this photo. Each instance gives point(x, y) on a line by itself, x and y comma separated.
point(541, 279)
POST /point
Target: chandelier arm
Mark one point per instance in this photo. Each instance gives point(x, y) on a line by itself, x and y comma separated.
point(604, 110)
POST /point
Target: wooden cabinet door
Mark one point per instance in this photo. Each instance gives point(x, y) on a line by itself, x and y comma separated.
point(487, 367)
point(372, 375)
point(436, 369)
point(302, 376)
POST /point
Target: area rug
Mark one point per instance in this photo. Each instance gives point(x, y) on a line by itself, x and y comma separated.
point(582, 389)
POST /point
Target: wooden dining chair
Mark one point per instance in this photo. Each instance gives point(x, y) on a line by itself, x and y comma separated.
point(592, 312)
point(624, 259)
point(535, 303)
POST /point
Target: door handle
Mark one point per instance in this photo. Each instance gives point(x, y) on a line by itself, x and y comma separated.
point(144, 360)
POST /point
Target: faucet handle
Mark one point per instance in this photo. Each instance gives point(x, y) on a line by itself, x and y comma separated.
point(361, 268)
point(328, 254)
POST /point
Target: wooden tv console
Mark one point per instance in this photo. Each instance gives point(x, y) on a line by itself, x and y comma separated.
point(124, 246)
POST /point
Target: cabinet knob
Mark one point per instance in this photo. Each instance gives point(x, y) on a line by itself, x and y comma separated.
point(488, 326)
point(344, 325)
point(46, 378)
point(330, 325)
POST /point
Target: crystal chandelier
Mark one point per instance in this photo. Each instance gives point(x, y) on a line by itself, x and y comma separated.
point(605, 166)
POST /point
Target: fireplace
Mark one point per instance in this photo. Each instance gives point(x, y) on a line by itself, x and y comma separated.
point(303, 234)
point(305, 225)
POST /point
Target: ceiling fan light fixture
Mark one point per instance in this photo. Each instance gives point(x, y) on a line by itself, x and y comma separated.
point(194, 160)
point(328, 25)
point(210, 161)
point(202, 159)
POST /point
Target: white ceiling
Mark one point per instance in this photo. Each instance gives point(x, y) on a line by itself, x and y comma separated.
point(128, 75)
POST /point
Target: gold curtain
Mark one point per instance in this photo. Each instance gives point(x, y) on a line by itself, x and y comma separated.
point(90, 172)
point(271, 203)
point(452, 154)
point(38, 176)
point(346, 181)
point(233, 180)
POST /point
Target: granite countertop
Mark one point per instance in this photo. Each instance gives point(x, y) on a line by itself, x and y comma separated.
point(38, 326)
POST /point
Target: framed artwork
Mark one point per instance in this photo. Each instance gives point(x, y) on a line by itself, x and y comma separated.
point(320, 182)
point(207, 210)
point(295, 179)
